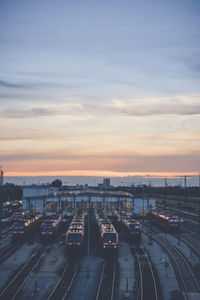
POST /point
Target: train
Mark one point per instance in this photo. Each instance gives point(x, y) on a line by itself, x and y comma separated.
point(75, 236)
point(50, 228)
point(25, 228)
point(17, 216)
point(109, 240)
point(165, 221)
point(132, 228)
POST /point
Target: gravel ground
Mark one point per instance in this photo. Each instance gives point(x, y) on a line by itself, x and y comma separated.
point(127, 271)
point(87, 281)
point(8, 267)
point(44, 278)
point(167, 277)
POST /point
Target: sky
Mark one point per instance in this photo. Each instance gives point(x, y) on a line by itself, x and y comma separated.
point(99, 87)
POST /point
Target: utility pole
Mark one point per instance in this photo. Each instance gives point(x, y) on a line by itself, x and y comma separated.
point(1, 197)
point(88, 245)
point(199, 199)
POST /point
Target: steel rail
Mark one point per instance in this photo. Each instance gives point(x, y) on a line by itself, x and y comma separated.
point(185, 261)
point(100, 282)
point(177, 267)
point(28, 275)
point(59, 281)
point(16, 278)
point(163, 243)
point(113, 281)
point(7, 251)
point(141, 277)
point(69, 269)
point(152, 274)
point(192, 244)
point(105, 280)
point(72, 280)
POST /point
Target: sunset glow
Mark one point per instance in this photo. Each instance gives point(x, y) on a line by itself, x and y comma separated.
point(99, 89)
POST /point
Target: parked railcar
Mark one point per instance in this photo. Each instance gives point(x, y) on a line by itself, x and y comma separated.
point(169, 223)
point(25, 228)
point(109, 241)
point(17, 216)
point(75, 236)
point(132, 228)
point(50, 228)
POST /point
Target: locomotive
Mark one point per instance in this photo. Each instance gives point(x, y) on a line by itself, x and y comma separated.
point(169, 223)
point(24, 228)
point(132, 228)
point(50, 228)
point(75, 236)
point(17, 216)
point(109, 241)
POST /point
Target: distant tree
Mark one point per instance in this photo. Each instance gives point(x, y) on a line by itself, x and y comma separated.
point(57, 183)
point(10, 191)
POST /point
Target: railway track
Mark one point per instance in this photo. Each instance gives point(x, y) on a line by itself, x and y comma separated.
point(148, 288)
point(106, 287)
point(193, 245)
point(14, 287)
point(7, 251)
point(66, 281)
point(188, 282)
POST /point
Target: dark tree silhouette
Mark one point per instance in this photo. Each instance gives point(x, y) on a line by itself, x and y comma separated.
point(57, 183)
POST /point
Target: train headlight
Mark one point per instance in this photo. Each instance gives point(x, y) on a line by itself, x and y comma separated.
point(115, 246)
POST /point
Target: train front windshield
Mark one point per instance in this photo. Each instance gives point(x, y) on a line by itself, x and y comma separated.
point(134, 227)
point(175, 221)
point(18, 216)
point(18, 227)
point(47, 228)
point(110, 237)
point(74, 237)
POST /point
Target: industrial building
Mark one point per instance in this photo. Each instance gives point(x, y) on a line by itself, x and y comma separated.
point(49, 200)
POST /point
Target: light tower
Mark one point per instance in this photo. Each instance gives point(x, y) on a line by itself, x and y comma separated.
point(1, 176)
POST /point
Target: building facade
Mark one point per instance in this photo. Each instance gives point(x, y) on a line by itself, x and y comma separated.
point(50, 200)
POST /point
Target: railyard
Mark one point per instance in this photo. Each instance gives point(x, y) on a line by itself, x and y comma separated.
point(163, 264)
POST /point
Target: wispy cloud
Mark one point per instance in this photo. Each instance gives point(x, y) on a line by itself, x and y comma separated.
point(69, 160)
point(13, 85)
point(33, 84)
point(132, 108)
point(76, 110)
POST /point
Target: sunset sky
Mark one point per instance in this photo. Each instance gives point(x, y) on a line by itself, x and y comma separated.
point(99, 87)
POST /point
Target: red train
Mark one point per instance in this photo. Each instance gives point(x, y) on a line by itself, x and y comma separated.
point(50, 228)
point(17, 216)
point(24, 228)
point(169, 223)
point(109, 240)
point(75, 236)
point(132, 228)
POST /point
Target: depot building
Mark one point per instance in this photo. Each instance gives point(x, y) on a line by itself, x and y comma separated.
point(47, 200)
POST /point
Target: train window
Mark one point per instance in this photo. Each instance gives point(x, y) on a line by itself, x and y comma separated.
point(46, 227)
point(18, 215)
point(74, 237)
point(137, 227)
point(110, 237)
point(173, 220)
point(18, 227)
